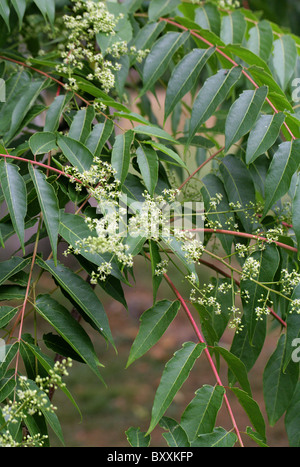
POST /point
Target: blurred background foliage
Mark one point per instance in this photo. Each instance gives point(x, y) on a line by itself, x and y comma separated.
point(285, 13)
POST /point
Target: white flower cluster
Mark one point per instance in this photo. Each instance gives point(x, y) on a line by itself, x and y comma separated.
point(272, 235)
point(8, 441)
point(28, 402)
point(161, 268)
point(215, 201)
point(289, 280)
point(54, 380)
point(205, 297)
point(99, 180)
point(236, 320)
point(31, 399)
point(241, 250)
point(225, 287)
point(193, 249)
point(229, 4)
point(90, 19)
point(261, 311)
point(250, 269)
point(295, 306)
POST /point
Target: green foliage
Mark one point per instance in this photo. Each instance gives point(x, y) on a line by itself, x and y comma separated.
point(104, 181)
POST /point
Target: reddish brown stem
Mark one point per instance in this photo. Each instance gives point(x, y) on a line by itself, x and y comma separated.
point(210, 360)
point(245, 235)
point(21, 314)
point(48, 167)
point(201, 166)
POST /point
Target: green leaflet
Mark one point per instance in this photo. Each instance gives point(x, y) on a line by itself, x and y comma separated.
point(99, 136)
point(76, 152)
point(137, 438)
point(7, 386)
point(292, 419)
point(276, 95)
point(279, 385)
point(237, 367)
point(210, 96)
point(158, 8)
point(147, 35)
point(175, 436)
point(243, 114)
point(169, 152)
point(269, 262)
point(9, 353)
point(12, 292)
point(260, 40)
point(218, 438)
point(284, 59)
point(153, 131)
point(15, 86)
point(82, 124)
point(184, 76)
point(11, 266)
point(253, 411)
point(54, 112)
point(120, 159)
point(23, 103)
point(153, 324)
point(263, 135)
point(14, 190)
point(205, 34)
point(200, 415)
point(82, 294)
point(239, 188)
point(58, 345)
point(5, 12)
point(233, 28)
point(132, 5)
point(257, 438)
point(69, 329)
point(175, 373)
point(160, 56)
point(47, 8)
point(247, 56)
point(49, 206)
point(6, 315)
point(284, 164)
point(42, 142)
point(208, 17)
point(148, 163)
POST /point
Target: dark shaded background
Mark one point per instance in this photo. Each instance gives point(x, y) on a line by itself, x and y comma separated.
point(282, 12)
